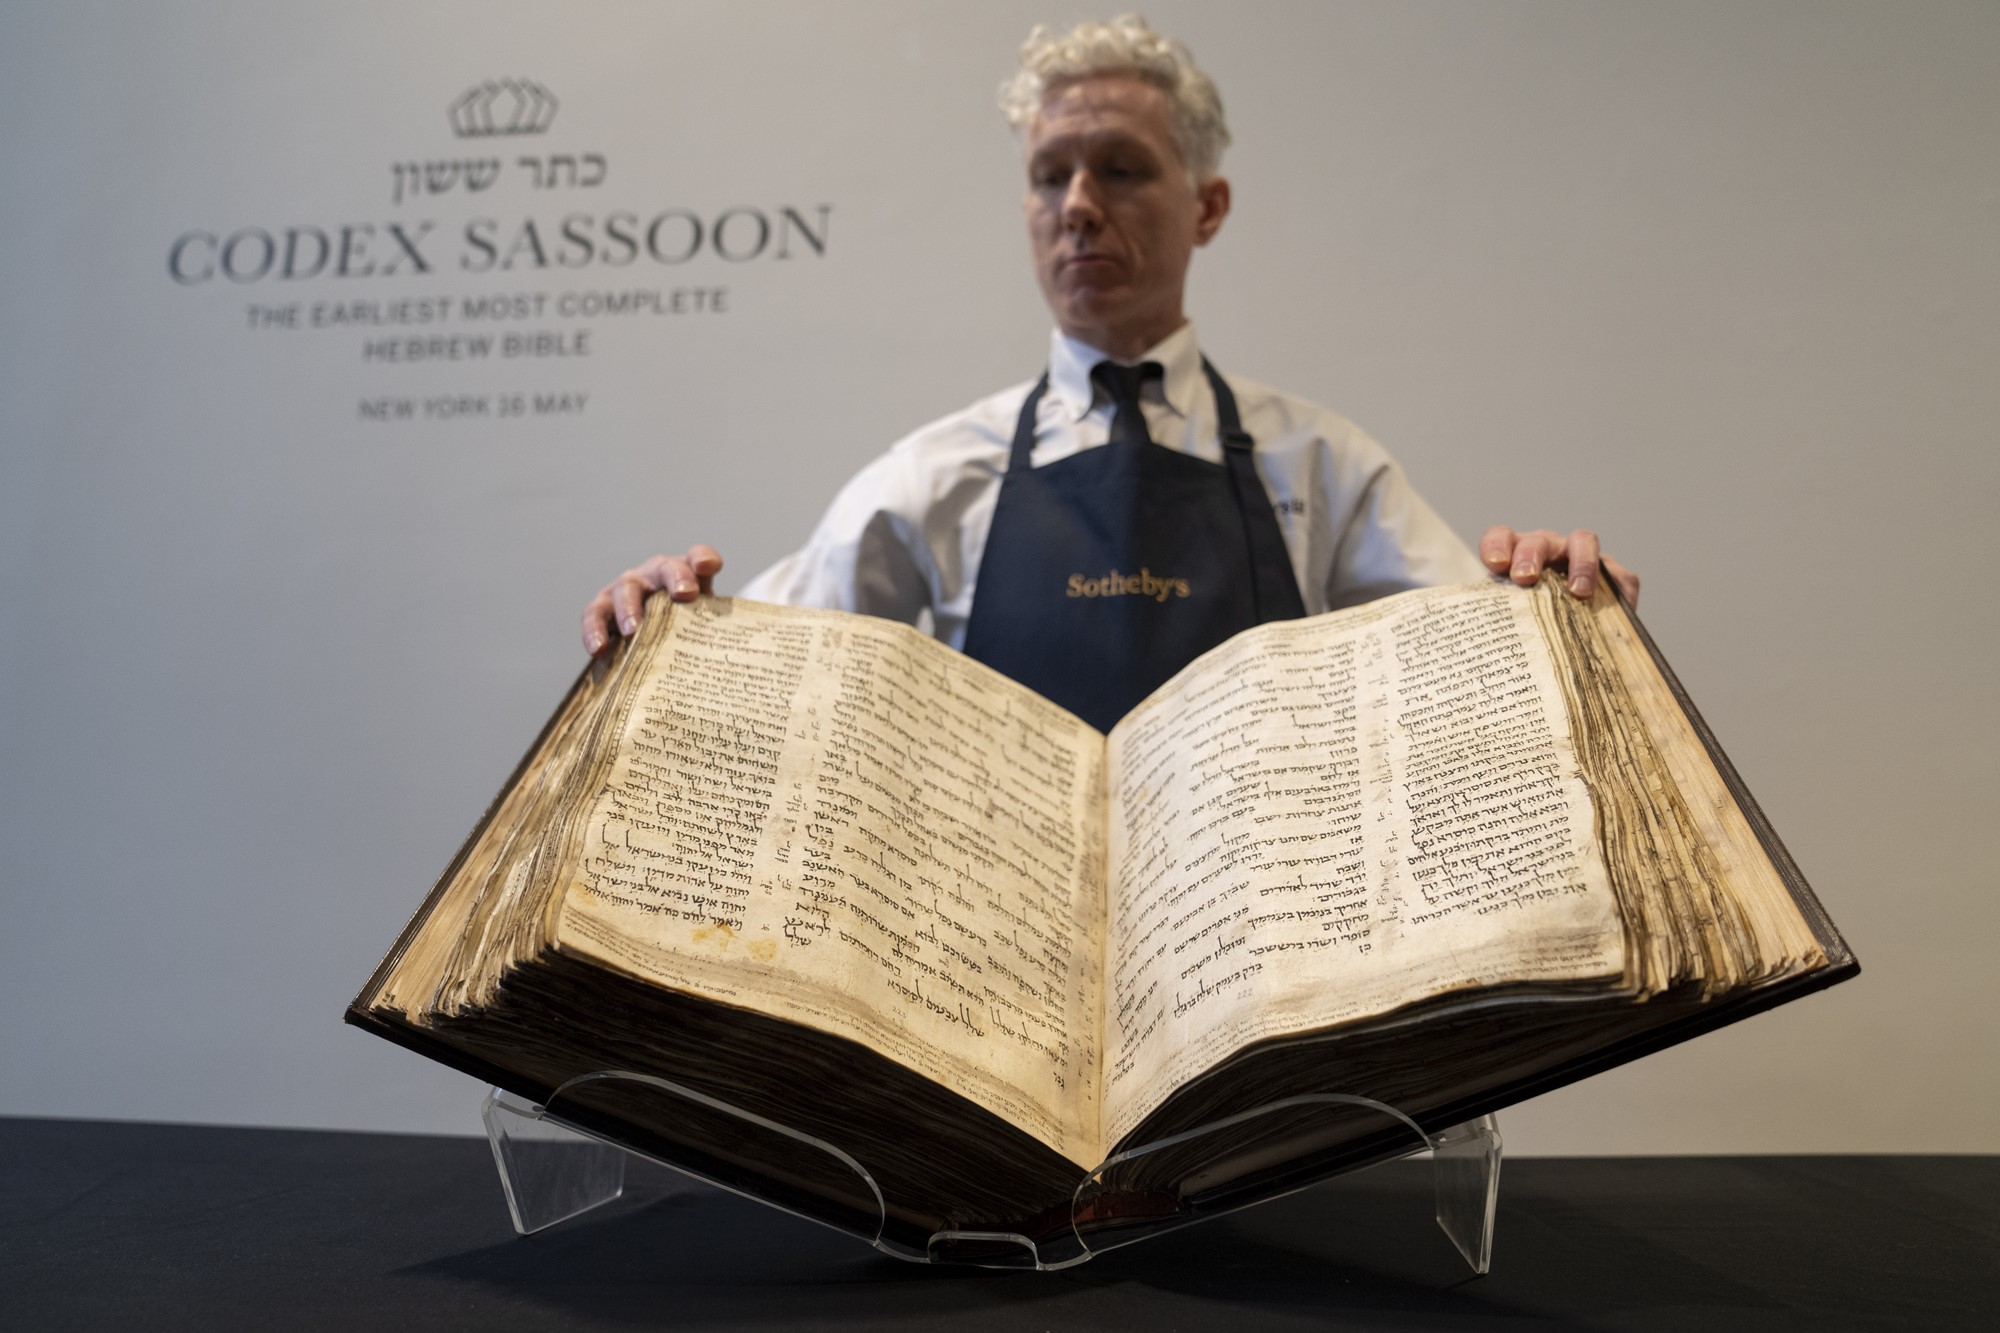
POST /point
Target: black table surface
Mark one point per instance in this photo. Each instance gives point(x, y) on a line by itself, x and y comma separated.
point(164, 1226)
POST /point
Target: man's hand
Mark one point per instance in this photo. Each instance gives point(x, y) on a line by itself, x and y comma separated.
point(1522, 556)
point(620, 603)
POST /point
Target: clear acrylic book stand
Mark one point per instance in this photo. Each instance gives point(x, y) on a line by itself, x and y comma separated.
point(552, 1169)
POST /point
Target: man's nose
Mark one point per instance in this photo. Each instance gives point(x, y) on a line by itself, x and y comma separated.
point(1080, 209)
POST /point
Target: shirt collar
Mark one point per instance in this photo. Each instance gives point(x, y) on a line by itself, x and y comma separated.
point(1070, 363)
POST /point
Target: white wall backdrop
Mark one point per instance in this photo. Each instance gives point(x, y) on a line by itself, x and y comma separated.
point(1717, 278)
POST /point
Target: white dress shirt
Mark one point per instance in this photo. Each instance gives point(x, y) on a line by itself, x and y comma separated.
point(905, 537)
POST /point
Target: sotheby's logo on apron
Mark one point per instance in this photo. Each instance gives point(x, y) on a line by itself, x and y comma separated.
point(1142, 584)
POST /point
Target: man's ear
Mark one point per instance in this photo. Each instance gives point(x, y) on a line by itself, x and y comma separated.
point(1212, 195)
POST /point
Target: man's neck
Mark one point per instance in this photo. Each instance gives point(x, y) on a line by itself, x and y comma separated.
point(1130, 343)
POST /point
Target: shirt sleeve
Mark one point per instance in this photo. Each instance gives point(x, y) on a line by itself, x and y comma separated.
point(1393, 541)
point(866, 555)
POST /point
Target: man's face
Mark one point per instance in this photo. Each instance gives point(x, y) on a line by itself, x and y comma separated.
point(1112, 215)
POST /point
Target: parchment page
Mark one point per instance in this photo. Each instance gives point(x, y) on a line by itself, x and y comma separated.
point(1325, 819)
point(838, 821)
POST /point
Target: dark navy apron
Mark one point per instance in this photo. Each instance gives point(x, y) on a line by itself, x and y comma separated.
point(1108, 571)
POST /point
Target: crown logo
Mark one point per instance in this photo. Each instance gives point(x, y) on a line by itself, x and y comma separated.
point(503, 106)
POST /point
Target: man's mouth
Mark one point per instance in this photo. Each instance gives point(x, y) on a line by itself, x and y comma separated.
point(1088, 264)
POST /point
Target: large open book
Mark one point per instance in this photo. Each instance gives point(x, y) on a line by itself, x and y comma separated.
point(1443, 851)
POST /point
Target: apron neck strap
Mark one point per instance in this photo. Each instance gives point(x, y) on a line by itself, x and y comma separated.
point(1024, 427)
point(1227, 423)
point(1274, 593)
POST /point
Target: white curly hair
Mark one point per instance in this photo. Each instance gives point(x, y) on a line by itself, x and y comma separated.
point(1125, 45)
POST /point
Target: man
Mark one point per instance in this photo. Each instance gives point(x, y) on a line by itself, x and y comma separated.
point(1092, 532)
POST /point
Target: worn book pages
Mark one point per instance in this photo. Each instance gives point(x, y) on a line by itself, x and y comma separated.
point(834, 820)
point(1336, 829)
point(459, 935)
point(1734, 864)
point(1326, 819)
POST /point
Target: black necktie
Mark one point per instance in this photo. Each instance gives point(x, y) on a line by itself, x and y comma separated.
point(1122, 384)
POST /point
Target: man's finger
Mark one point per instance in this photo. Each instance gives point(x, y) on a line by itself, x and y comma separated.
point(677, 577)
point(1627, 581)
point(1581, 552)
point(597, 623)
point(1496, 548)
point(707, 563)
point(628, 590)
point(1533, 550)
